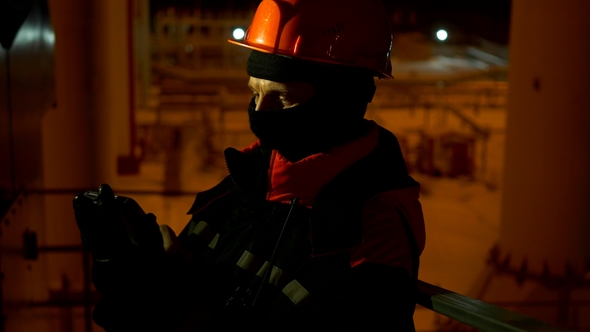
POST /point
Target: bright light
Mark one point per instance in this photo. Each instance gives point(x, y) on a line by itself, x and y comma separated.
point(442, 35)
point(239, 33)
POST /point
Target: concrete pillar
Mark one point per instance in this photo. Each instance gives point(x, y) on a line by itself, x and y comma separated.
point(68, 136)
point(68, 129)
point(90, 127)
point(111, 86)
point(546, 210)
point(88, 130)
point(542, 256)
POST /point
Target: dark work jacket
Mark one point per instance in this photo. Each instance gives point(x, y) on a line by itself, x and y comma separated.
point(284, 266)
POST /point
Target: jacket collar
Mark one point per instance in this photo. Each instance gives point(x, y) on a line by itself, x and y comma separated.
point(336, 223)
point(303, 179)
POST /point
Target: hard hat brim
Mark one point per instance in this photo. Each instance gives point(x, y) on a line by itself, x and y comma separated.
point(278, 52)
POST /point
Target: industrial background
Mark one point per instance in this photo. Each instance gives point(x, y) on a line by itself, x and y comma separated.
point(490, 102)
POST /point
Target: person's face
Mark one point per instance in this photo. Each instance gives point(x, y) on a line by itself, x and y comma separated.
point(270, 95)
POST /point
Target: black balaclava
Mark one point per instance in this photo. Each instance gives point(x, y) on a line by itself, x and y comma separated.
point(331, 117)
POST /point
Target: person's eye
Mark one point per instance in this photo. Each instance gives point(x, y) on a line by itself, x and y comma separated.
point(285, 102)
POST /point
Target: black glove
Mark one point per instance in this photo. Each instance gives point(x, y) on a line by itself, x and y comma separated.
point(142, 289)
point(118, 234)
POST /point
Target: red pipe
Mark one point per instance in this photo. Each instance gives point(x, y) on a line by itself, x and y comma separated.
point(129, 164)
point(131, 64)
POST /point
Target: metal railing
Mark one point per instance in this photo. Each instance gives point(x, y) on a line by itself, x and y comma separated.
point(477, 314)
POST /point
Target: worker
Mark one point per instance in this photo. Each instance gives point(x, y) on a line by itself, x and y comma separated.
point(318, 224)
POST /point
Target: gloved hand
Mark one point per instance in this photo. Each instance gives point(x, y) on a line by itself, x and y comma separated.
point(154, 295)
point(117, 232)
point(138, 265)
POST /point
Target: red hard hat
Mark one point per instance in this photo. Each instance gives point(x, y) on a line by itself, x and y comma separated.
point(343, 32)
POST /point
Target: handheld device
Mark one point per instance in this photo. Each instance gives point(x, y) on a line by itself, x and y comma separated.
point(115, 227)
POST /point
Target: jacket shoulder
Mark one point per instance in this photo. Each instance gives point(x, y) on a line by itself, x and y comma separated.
point(204, 198)
point(337, 213)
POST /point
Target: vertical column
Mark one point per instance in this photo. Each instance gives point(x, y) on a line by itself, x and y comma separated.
point(111, 82)
point(68, 129)
point(542, 256)
point(546, 209)
point(89, 128)
point(69, 160)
